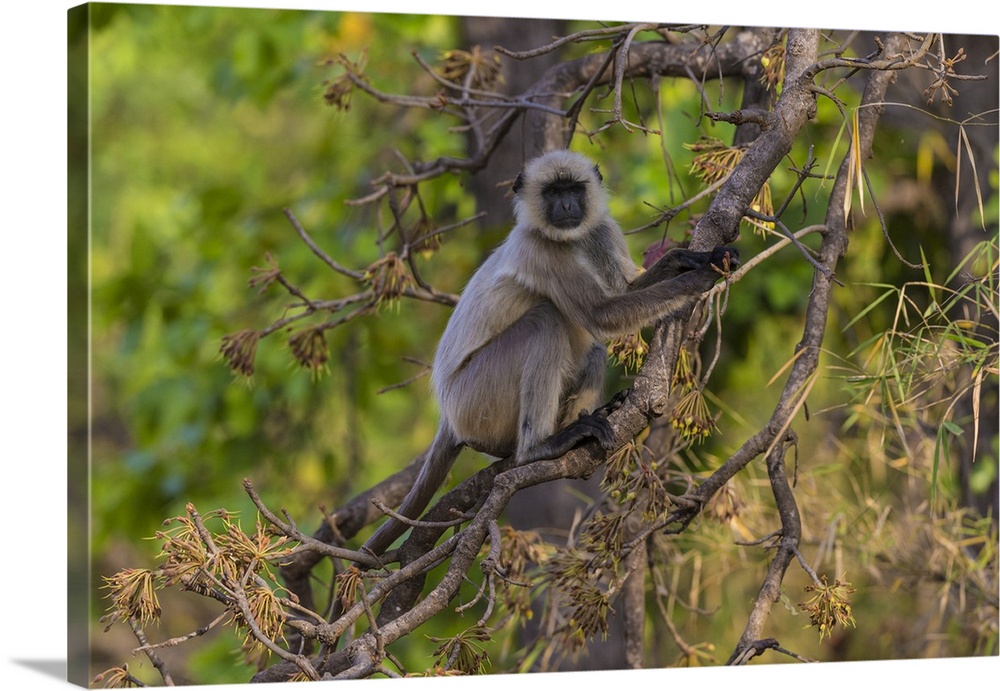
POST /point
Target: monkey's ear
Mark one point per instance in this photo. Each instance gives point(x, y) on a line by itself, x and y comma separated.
point(518, 183)
point(597, 172)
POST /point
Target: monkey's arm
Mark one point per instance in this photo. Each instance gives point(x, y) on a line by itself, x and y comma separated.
point(648, 300)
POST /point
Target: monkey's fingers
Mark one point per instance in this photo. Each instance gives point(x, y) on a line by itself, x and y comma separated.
point(724, 260)
point(615, 403)
point(597, 426)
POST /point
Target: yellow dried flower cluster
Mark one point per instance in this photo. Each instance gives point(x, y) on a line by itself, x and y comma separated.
point(133, 596)
point(239, 350)
point(691, 417)
point(773, 62)
point(829, 606)
point(424, 239)
point(714, 160)
point(388, 277)
point(474, 68)
point(309, 348)
point(234, 565)
point(464, 653)
point(629, 351)
point(338, 91)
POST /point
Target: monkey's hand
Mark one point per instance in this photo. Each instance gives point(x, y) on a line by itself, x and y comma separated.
point(680, 261)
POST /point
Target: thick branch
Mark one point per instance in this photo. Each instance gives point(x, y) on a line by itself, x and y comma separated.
point(788, 545)
point(833, 246)
point(645, 60)
point(795, 107)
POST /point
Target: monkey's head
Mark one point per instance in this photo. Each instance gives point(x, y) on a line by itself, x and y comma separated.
point(560, 194)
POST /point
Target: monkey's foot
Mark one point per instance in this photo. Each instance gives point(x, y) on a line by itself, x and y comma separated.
point(615, 403)
point(588, 426)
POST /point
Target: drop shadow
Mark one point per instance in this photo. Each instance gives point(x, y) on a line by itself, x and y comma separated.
point(50, 668)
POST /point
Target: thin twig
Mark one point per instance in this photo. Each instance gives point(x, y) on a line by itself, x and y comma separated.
point(356, 275)
point(306, 542)
point(378, 504)
point(170, 642)
point(795, 241)
point(579, 36)
point(155, 659)
point(881, 221)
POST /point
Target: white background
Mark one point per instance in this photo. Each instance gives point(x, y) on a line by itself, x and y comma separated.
point(32, 339)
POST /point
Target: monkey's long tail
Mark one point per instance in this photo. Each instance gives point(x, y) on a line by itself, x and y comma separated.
point(443, 452)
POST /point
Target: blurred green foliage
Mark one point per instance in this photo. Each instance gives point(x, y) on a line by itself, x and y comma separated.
point(207, 122)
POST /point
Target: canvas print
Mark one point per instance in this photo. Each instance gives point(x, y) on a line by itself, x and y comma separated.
point(425, 345)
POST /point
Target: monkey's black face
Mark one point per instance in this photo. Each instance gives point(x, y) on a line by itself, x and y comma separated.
point(565, 202)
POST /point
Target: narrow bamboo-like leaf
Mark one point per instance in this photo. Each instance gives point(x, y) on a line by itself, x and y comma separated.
point(976, 391)
point(856, 159)
point(964, 139)
point(931, 287)
point(953, 428)
point(800, 399)
point(872, 305)
point(940, 442)
point(833, 151)
point(784, 367)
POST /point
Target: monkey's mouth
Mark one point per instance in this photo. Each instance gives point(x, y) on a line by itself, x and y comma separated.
point(566, 222)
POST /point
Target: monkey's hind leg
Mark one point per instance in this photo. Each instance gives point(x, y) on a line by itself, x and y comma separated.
point(584, 391)
point(579, 420)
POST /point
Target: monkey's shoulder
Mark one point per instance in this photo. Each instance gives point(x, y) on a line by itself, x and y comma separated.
point(490, 304)
point(493, 299)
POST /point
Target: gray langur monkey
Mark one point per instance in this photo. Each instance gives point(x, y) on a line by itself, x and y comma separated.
point(520, 366)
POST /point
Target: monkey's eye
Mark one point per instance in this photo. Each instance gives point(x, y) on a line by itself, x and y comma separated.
point(562, 188)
